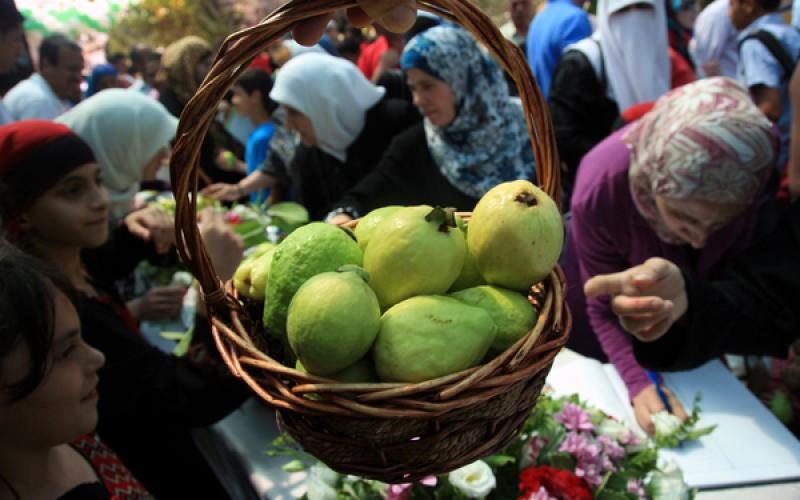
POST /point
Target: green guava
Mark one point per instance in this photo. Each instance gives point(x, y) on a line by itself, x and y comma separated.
point(469, 275)
point(310, 250)
point(259, 274)
point(241, 278)
point(360, 372)
point(426, 337)
point(511, 312)
point(366, 226)
point(333, 321)
point(414, 251)
point(516, 234)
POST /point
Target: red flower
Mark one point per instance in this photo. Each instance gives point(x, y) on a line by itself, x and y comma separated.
point(558, 483)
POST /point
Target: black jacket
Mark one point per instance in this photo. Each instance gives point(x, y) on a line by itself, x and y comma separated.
point(752, 309)
point(582, 113)
point(150, 400)
point(407, 175)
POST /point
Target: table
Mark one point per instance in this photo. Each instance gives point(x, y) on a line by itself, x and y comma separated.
point(235, 446)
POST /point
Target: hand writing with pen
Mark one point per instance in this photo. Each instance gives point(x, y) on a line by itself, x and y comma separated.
point(648, 299)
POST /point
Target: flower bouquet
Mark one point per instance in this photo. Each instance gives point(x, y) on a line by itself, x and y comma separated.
point(564, 450)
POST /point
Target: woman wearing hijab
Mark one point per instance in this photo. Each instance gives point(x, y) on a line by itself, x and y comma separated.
point(626, 62)
point(681, 183)
point(474, 135)
point(183, 67)
point(345, 124)
point(129, 134)
point(55, 207)
point(103, 77)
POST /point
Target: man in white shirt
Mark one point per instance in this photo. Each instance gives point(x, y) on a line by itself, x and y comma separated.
point(47, 94)
point(10, 44)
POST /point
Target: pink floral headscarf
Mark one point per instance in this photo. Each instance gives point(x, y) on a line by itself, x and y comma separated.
point(703, 141)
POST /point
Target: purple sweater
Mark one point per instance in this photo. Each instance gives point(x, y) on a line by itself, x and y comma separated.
point(607, 234)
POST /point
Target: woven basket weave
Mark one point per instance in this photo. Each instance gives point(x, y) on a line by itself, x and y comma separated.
point(388, 431)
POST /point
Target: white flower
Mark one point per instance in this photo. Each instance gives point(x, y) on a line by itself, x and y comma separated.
point(665, 422)
point(612, 428)
point(475, 480)
point(667, 483)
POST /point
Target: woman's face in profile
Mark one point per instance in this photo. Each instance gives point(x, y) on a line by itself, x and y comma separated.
point(695, 221)
point(433, 97)
point(301, 124)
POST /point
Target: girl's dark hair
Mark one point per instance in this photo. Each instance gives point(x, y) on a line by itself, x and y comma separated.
point(258, 79)
point(10, 17)
point(27, 313)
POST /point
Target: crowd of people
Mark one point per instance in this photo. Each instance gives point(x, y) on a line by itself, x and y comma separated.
point(680, 162)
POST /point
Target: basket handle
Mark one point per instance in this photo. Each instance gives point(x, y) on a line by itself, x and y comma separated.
point(240, 48)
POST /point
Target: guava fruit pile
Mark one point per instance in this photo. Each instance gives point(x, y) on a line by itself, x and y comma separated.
point(414, 293)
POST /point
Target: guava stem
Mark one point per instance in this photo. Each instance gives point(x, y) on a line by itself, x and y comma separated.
point(352, 268)
point(527, 198)
point(445, 217)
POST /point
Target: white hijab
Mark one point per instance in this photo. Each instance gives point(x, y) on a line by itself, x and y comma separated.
point(125, 130)
point(635, 48)
point(332, 93)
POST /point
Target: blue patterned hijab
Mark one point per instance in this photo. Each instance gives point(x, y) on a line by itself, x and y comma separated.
point(488, 142)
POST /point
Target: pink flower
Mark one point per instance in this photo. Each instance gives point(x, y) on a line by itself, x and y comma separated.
point(574, 418)
point(629, 438)
point(635, 487)
point(541, 494)
point(610, 447)
point(536, 445)
point(403, 491)
point(399, 491)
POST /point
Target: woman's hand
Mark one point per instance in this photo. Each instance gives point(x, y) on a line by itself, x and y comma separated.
point(648, 299)
point(397, 16)
point(224, 246)
point(154, 225)
point(647, 403)
point(158, 303)
point(339, 219)
point(224, 192)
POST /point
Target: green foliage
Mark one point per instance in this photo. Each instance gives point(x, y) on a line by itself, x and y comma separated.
point(161, 22)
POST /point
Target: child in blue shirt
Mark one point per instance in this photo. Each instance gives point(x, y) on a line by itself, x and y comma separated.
point(758, 68)
point(251, 100)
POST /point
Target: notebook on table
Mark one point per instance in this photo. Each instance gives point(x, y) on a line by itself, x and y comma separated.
point(749, 445)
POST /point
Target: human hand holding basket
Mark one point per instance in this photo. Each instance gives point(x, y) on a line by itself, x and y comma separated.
point(394, 432)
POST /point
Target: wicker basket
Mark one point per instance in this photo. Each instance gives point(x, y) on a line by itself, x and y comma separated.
point(389, 431)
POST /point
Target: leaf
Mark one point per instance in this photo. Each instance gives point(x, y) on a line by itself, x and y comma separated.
point(176, 336)
point(563, 461)
point(499, 460)
point(294, 466)
point(183, 346)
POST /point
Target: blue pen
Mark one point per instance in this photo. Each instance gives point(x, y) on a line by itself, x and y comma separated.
point(653, 376)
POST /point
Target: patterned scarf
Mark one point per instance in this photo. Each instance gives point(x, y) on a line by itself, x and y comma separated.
point(704, 141)
point(488, 142)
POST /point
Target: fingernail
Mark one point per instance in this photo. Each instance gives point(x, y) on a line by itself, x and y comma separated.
point(641, 277)
point(669, 305)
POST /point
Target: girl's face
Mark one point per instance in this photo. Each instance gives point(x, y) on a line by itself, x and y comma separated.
point(695, 221)
point(155, 164)
point(73, 213)
point(64, 405)
point(433, 97)
point(301, 124)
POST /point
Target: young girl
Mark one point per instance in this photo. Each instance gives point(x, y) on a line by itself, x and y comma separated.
point(56, 207)
point(48, 393)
